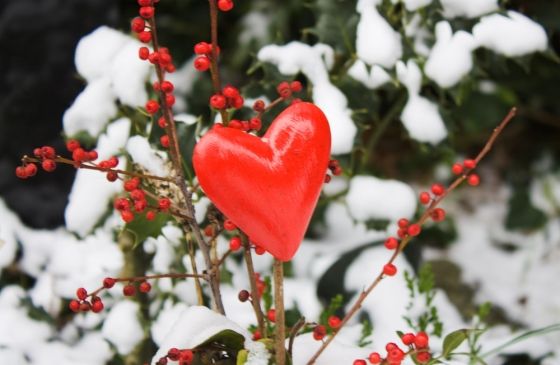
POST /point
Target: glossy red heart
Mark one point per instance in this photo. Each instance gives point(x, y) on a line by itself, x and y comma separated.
point(268, 186)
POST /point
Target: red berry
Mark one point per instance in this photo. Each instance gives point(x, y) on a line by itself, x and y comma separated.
point(21, 173)
point(152, 106)
point(403, 223)
point(295, 86)
point(137, 194)
point(150, 215)
point(425, 197)
point(235, 124)
point(92, 155)
point(202, 48)
point(259, 250)
point(127, 216)
point(72, 144)
point(162, 361)
point(457, 169)
point(122, 204)
point(255, 124)
point(79, 155)
point(146, 12)
point(438, 215)
point(165, 59)
point(30, 169)
point(391, 243)
point(164, 203)
point(131, 184)
point(225, 5)
point(374, 358)
point(164, 140)
point(237, 102)
point(170, 68)
point(209, 231)
point(97, 306)
point(143, 53)
point(438, 189)
point(423, 357)
point(473, 180)
point(229, 225)
point(167, 86)
point(201, 63)
point(235, 243)
point(85, 306)
point(162, 122)
point(108, 283)
point(334, 322)
point(173, 354)
point(81, 293)
point(169, 99)
point(421, 340)
point(74, 306)
point(359, 362)
point(145, 287)
point(259, 106)
point(144, 2)
point(129, 290)
point(218, 101)
point(230, 92)
point(469, 164)
point(185, 357)
point(145, 36)
point(140, 205)
point(408, 338)
point(389, 269)
point(319, 332)
point(391, 346)
point(48, 152)
point(154, 58)
point(414, 230)
point(284, 90)
point(257, 335)
point(138, 25)
point(112, 176)
point(271, 315)
point(395, 356)
point(243, 296)
point(327, 179)
point(401, 232)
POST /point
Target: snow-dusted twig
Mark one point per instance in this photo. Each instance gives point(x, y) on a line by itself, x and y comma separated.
point(365, 293)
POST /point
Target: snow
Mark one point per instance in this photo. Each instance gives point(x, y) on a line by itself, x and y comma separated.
point(376, 41)
point(336, 353)
point(122, 327)
point(195, 325)
point(85, 209)
point(95, 52)
point(373, 79)
point(420, 116)
point(258, 354)
point(92, 109)
point(143, 154)
point(420, 35)
point(314, 62)
point(129, 75)
point(167, 316)
point(450, 59)
point(513, 35)
point(372, 198)
point(468, 9)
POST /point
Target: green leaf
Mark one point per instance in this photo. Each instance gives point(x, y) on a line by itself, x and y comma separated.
point(242, 356)
point(141, 228)
point(522, 214)
point(453, 340)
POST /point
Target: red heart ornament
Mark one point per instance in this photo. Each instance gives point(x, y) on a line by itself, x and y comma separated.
point(268, 186)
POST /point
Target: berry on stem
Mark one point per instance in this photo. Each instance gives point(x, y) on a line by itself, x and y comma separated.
point(229, 225)
point(457, 169)
point(243, 296)
point(129, 290)
point(438, 189)
point(152, 106)
point(225, 5)
point(235, 243)
point(359, 362)
point(374, 358)
point(319, 332)
point(334, 322)
point(145, 287)
point(389, 269)
point(391, 243)
point(271, 315)
point(403, 223)
point(438, 214)
point(473, 180)
point(414, 230)
point(81, 293)
point(201, 63)
point(425, 197)
point(218, 101)
point(108, 283)
point(469, 164)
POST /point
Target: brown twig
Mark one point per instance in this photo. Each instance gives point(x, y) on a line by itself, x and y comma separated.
point(214, 71)
point(365, 293)
point(280, 321)
point(256, 300)
point(293, 333)
point(175, 154)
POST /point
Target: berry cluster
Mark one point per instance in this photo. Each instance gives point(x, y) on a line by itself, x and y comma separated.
point(335, 169)
point(464, 169)
point(137, 202)
point(228, 98)
point(320, 330)
point(81, 304)
point(285, 89)
point(184, 357)
point(417, 346)
point(204, 52)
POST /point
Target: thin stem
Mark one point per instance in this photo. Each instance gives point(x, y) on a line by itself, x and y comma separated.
point(198, 285)
point(60, 159)
point(364, 294)
point(293, 333)
point(280, 329)
point(175, 154)
point(256, 300)
point(214, 70)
